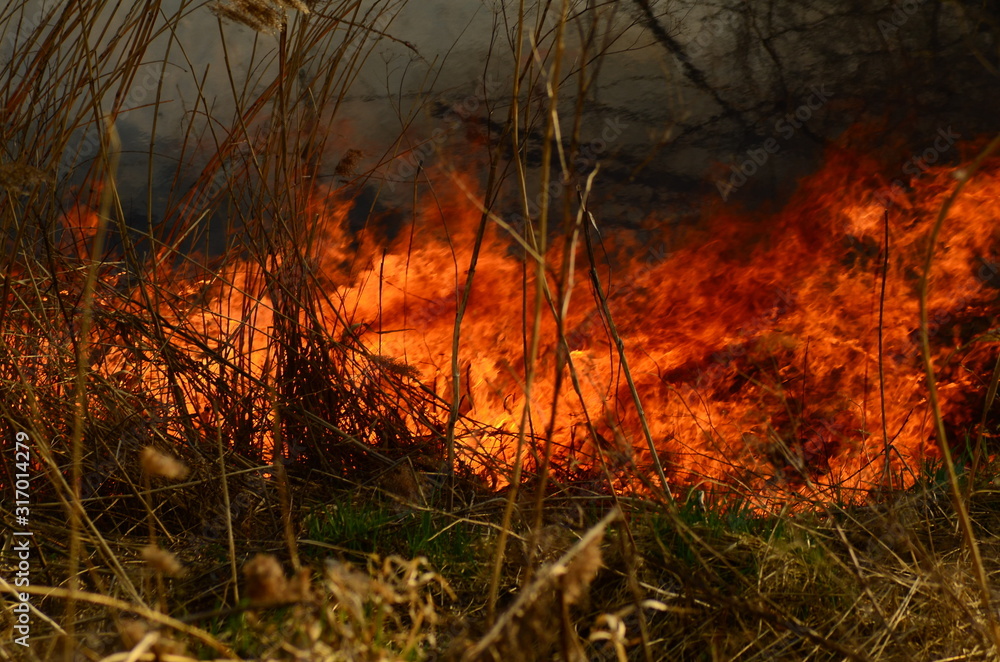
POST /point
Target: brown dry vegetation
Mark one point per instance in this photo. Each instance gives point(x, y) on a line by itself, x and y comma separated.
point(188, 504)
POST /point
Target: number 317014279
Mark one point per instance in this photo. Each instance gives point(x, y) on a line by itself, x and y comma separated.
point(22, 465)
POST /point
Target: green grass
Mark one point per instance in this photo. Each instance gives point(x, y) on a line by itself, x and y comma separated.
point(356, 527)
point(369, 527)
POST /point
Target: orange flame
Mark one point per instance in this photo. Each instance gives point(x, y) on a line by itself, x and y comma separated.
point(753, 346)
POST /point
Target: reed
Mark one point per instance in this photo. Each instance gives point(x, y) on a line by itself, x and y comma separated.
point(226, 464)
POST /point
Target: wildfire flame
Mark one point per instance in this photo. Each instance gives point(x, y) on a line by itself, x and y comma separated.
point(754, 344)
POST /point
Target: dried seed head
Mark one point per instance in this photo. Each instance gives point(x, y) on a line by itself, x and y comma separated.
point(256, 15)
point(395, 366)
point(265, 16)
point(299, 586)
point(19, 177)
point(132, 632)
point(162, 561)
point(348, 163)
point(295, 4)
point(166, 646)
point(266, 582)
point(155, 463)
point(581, 571)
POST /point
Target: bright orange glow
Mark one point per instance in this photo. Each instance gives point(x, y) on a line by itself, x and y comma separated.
point(753, 345)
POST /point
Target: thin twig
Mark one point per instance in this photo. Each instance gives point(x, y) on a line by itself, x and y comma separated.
point(620, 346)
point(964, 522)
point(886, 474)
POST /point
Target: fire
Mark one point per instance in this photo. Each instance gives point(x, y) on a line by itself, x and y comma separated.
point(753, 345)
point(755, 352)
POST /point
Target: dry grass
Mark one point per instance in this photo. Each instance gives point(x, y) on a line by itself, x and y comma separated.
point(193, 500)
point(265, 16)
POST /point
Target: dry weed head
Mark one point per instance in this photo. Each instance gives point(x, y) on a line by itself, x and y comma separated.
point(132, 632)
point(348, 163)
point(266, 583)
point(162, 561)
point(155, 463)
point(19, 177)
point(349, 587)
point(389, 612)
point(580, 573)
point(551, 542)
point(395, 366)
point(393, 604)
point(266, 16)
point(539, 618)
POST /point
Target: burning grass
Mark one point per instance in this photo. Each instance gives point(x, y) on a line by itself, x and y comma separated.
point(454, 440)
